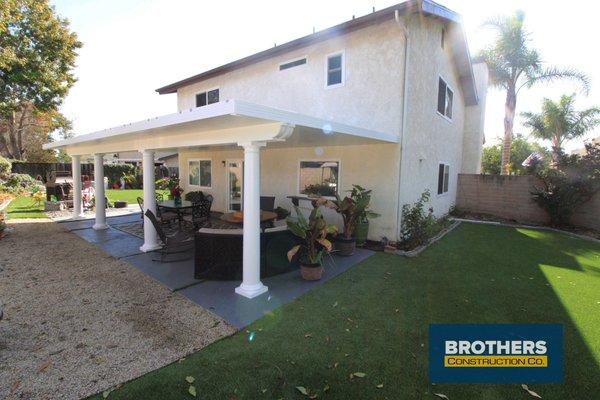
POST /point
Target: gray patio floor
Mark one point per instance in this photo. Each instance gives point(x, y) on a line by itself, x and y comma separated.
point(216, 296)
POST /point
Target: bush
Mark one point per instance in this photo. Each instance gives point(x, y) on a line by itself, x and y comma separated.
point(114, 172)
point(5, 167)
point(319, 189)
point(21, 181)
point(417, 223)
point(565, 188)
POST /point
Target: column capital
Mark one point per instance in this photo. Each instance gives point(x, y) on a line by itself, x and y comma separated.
point(147, 151)
point(252, 145)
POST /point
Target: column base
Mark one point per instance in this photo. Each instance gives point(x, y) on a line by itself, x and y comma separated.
point(150, 247)
point(100, 227)
point(251, 291)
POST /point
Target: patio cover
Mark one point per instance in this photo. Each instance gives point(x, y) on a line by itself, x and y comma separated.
point(225, 124)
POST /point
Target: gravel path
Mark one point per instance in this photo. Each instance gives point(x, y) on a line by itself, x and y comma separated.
point(77, 321)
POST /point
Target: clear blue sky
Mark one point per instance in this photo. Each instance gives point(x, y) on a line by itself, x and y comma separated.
point(132, 47)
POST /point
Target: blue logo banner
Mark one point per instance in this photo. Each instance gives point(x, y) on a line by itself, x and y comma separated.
point(495, 353)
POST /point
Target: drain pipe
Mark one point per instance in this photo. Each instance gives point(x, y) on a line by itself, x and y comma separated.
point(404, 30)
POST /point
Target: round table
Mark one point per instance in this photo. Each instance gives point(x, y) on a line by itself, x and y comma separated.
point(265, 216)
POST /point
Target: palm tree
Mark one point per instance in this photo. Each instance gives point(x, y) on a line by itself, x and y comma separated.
point(513, 65)
point(559, 121)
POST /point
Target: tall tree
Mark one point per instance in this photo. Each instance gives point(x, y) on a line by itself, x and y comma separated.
point(37, 57)
point(520, 149)
point(514, 65)
point(560, 121)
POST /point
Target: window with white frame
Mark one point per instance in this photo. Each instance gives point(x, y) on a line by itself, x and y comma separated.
point(200, 173)
point(443, 178)
point(335, 69)
point(445, 99)
point(208, 97)
point(319, 178)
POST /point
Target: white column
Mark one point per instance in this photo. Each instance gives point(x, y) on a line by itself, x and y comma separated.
point(99, 195)
point(251, 285)
point(150, 235)
point(77, 204)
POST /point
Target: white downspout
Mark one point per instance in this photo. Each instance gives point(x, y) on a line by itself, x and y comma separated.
point(404, 29)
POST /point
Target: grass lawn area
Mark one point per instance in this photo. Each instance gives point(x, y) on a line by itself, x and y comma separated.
point(24, 207)
point(374, 319)
point(129, 195)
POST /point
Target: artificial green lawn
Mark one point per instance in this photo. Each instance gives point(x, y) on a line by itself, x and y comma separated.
point(374, 319)
point(128, 195)
point(25, 207)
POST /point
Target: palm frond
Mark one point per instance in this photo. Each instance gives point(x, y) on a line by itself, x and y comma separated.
point(551, 74)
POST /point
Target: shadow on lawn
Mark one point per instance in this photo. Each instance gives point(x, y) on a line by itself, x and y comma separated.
point(375, 318)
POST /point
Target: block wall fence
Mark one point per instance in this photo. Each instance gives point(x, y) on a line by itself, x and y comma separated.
point(509, 197)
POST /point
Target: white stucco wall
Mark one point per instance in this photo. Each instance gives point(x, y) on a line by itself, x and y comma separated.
point(474, 123)
point(369, 98)
point(372, 166)
point(430, 138)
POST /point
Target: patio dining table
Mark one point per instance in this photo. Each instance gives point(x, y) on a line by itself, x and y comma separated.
point(178, 208)
point(265, 216)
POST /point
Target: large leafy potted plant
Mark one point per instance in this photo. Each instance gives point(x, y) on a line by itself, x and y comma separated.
point(350, 210)
point(313, 242)
point(362, 198)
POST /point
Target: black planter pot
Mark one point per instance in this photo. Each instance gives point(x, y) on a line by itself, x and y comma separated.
point(345, 247)
point(311, 272)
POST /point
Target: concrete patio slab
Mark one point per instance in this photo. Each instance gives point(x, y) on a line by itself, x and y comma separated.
point(174, 275)
point(72, 225)
point(220, 298)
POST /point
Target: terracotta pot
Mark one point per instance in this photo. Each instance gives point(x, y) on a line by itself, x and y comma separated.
point(311, 272)
point(345, 247)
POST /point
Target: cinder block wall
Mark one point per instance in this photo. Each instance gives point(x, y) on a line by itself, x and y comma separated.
point(509, 197)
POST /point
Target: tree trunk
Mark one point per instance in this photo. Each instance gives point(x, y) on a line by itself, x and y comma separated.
point(509, 117)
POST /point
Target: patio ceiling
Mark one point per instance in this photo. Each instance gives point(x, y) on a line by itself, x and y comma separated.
point(226, 123)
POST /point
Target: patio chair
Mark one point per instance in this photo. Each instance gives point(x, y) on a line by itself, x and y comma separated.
point(194, 197)
point(267, 203)
point(166, 217)
point(200, 213)
point(172, 244)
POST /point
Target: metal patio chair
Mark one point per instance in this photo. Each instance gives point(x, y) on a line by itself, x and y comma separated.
point(177, 243)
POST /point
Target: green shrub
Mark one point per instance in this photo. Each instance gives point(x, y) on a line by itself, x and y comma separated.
point(574, 181)
point(416, 223)
point(24, 181)
point(5, 167)
point(114, 172)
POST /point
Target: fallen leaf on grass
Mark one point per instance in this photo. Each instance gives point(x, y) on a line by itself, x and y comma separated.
point(190, 379)
point(326, 389)
point(441, 396)
point(531, 392)
point(359, 374)
point(335, 304)
point(192, 391)
point(302, 390)
point(380, 386)
point(308, 335)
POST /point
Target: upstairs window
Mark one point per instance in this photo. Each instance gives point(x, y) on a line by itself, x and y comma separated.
point(443, 178)
point(292, 64)
point(335, 69)
point(445, 98)
point(208, 97)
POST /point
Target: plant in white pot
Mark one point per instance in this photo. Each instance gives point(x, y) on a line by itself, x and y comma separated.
point(313, 242)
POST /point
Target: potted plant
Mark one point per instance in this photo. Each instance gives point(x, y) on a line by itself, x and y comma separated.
point(313, 242)
point(362, 197)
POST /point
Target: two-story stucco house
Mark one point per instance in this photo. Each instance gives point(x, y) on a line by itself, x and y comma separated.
point(391, 101)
